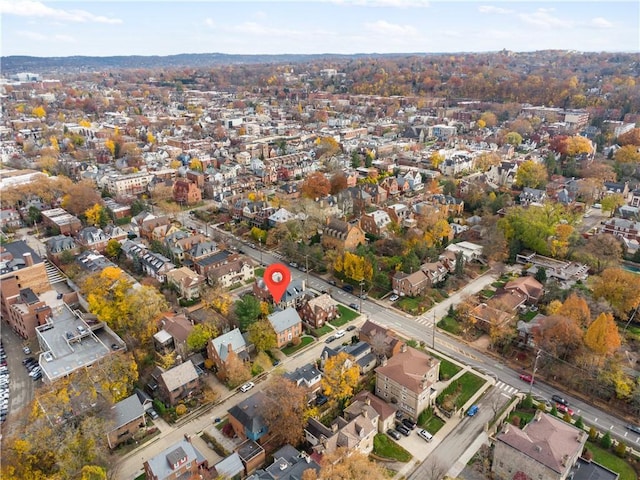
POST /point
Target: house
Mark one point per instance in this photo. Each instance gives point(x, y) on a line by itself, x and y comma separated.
point(156, 265)
point(252, 455)
point(154, 228)
point(172, 337)
point(375, 334)
point(386, 412)
point(532, 195)
point(560, 269)
point(58, 219)
point(209, 262)
point(221, 348)
point(188, 283)
point(186, 192)
point(528, 286)
point(294, 296)
point(410, 284)
point(307, 377)
point(360, 352)
point(354, 431)
point(115, 232)
point(180, 460)
point(436, 272)
point(488, 316)
point(621, 228)
point(375, 223)
point(233, 272)
point(319, 310)
point(545, 449)
point(93, 238)
point(230, 467)
point(340, 235)
point(288, 463)
point(10, 218)
point(127, 418)
point(407, 380)
point(287, 325)
point(58, 245)
point(470, 251)
point(247, 421)
point(178, 383)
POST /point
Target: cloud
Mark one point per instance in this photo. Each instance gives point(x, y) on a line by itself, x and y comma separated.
point(492, 9)
point(40, 37)
point(542, 18)
point(384, 3)
point(210, 22)
point(32, 35)
point(599, 22)
point(30, 8)
point(382, 27)
point(64, 38)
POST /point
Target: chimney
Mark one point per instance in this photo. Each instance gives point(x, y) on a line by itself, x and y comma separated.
point(367, 400)
point(334, 427)
point(403, 348)
point(28, 259)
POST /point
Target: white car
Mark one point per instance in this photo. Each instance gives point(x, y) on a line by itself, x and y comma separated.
point(393, 298)
point(425, 435)
point(247, 386)
point(339, 333)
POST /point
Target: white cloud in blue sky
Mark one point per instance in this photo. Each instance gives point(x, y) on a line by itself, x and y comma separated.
point(62, 28)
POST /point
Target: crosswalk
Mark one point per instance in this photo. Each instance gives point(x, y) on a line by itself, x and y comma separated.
point(506, 388)
point(425, 320)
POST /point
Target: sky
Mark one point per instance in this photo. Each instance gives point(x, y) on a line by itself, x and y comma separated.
point(167, 27)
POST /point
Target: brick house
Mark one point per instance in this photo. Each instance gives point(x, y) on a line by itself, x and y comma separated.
point(60, 219)
point(407, 380)
point(545, 449)
point(186, 192)
point(225, 346)
point(528, 286)
point(410, 284)
point(287, 325)
point(178, 383)
point(340, 235)
point(93, 238)
point(180, 461)
point(375, 223)
point(319, 310)
point(230, 273)
point(128, 418)
point(188, 283)
point(173, 334)
point(374, 334)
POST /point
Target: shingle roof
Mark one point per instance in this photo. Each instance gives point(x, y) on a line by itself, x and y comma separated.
point(127, 410)
point(233, 338)
point(180, 375)
point(409, 368)
point(284, 319)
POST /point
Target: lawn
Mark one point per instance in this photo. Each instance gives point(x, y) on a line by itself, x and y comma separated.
point(220, 425)
point(528, 316)
point(612, 462)
point(430, 422)
point(347, 314)
point(498, 284)
point(318, 332)
point(306, 340)
point(527, 415)
point(259, 272)
point(408, 304)
point(338, 322)
point(384, 447)
point(450, 325)
point(142, 476)
point(487, 293)
point(448, 369)
point(470, 384)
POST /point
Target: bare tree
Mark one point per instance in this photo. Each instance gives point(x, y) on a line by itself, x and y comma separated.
point(434, 469)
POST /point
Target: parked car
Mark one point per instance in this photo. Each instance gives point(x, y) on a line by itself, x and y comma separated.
point(332, 282)
point(560, 400)
point(247, 386)
point(339, 334)
point(403, 430)
point(321, 399)
point(393, 434)
point(152, 413)
point(348, 288)
point(354, 306)
point(393, 298)
point(525, 377)
point(410, 424)
point(398, 414)
point(330, 339)
point(426, 435)
point(564, 409)
point(351, 328)
point(472, 410)
point(26, 350)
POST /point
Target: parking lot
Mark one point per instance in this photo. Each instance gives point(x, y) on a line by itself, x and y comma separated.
point(19, 385)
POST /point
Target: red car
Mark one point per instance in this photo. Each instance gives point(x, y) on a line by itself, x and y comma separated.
point(564, 409)
point(525, 377)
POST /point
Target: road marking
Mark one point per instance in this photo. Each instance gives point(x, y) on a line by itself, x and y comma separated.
point(505, 395)
point(595, 420)
point(611, 427)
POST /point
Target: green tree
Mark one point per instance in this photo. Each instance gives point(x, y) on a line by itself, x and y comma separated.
point(113, 248)
point(612, 202)
point(605, 441)
point(513, 138)
point(541, 275)
point(579, 423)
point(531, 174)
point(247, 309)
point(262, 335)
point(200, 336)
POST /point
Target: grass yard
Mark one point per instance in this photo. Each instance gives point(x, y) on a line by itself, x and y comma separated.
point(318, 332)
point(448, 369)
point(498, 284)
point(487, 293)
point(384, 447)
point(450, 325)
point(347, 314)
point(220, 425)
point(430, 422)
point(408, 304)
point(528, 316)
point(306, 340)
point(527, 415)
point(470, 384)
point(612, 462)
point(259, 272)
point(142, 476)
point(338, 322)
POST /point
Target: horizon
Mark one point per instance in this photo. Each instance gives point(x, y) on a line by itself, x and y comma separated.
point(52, 29)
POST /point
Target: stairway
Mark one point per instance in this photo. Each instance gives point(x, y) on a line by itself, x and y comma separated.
point(54, 273)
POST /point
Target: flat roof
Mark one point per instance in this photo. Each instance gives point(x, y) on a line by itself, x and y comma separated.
point(65, 348)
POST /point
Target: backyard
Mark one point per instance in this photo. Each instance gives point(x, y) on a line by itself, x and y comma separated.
point(384, 447)
point(612, 462)
point(459, 391)
point(430, 421)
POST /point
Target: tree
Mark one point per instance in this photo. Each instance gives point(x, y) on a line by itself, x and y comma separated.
point(605, 441)
point(611, 202)
point(195, 164)
point(531, 174)
point(354, 267)
point(601, 251)
point(93, 472)
point(113, 248)
point(237, 371)
point(576, 308)
point(627, 154)
point(602, 336)
point(620, 288)
point(541, 275)
point(513, 138)
point(579, 423)
point(342, 466)
point(247, 309)
point(200, 336)
point(559, 336)
point(81, 196)
point(436, 159)
point(578, 145)
point(217, 299)
point(341, 375)
point(315, 186)
point(632, 137)
point(338, 183)
point(489, 118)
point(284, 411)
point(39, 112)
point(262, 335)
point(96, 215)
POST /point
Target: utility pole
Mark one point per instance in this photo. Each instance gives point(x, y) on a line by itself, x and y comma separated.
point(260, 248)
point(306, 267)
point(361, 294)
point(535, 367)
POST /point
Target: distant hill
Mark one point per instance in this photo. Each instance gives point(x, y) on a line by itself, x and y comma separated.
point(19, 63)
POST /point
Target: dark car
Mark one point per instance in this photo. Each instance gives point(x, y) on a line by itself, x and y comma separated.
point(410, 424)
point(330, 339)
point(633, 428)
point(321, 400)
point(403, 430)
point(393, 434)
point(348, 288)
point(354, 306)
point(560, 400)
point(351, 328)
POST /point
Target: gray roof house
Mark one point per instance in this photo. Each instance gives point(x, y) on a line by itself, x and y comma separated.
point(180, 460)
point(287, 324)
point(219, 349)
point(128, 417)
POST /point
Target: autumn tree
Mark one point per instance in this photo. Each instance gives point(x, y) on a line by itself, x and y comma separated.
point(200, 335)
point(341, 376)
point(354, 267)
point(247, 309)
point(80, 197)
point(576, 308)
point(560, 336)
point(113, 248)
point(618, 287)
point(601, 251)
point(39, 112)
point(338, 183)
point(342, 466)
point(262, 335)
point(531, 174)
point(627, 154)
point(632, 137)
point(436, 159)
point(96, 215)
point(237, 371)
point(315, 186)
point(602, 336)
point(513, 138)
point(486, 160)
point(489, 119)
point(284, 411)
point(217, 299)
point(578, 145)
point(612, 202)
point(327, 147)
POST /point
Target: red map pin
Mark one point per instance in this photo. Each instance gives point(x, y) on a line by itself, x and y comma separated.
point(277, 277)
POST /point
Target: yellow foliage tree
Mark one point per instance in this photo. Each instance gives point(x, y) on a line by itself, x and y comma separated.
point(436, 159)
point(354, 267)
point(94, 214)
point(110, 145)
point(151, 138)
point(39, 112)
point(341, 376)
point(195, 164)
point(602, 336)
point(577, 145)
point(620, 288)
point(84, 123)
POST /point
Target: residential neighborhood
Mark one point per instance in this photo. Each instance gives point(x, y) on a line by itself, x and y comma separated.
point(461, 264)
